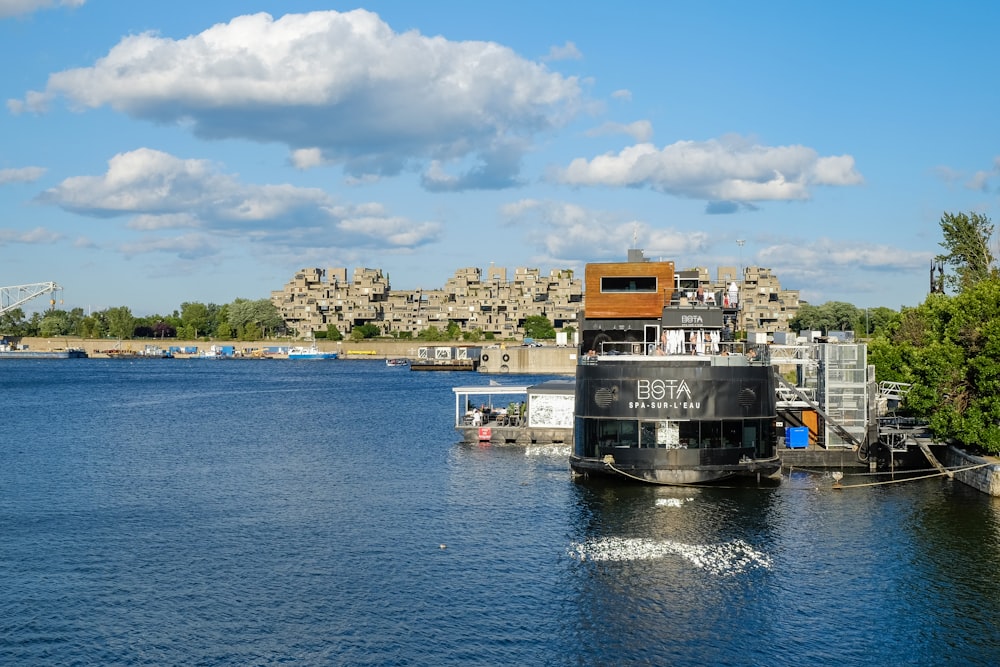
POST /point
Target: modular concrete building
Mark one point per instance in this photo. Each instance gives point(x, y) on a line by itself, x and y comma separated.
point(316, 299)
point(490, 302)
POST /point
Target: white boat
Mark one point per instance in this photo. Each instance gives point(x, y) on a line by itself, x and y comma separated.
point(397, 361)
point(311, 352)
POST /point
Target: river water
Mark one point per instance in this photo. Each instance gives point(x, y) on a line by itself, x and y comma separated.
point(199, 512)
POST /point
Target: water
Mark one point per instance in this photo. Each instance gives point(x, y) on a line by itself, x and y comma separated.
point(197, 512)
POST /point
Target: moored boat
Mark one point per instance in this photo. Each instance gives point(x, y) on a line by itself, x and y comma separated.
point(663, 395)
point(71, 353)
point(539, 414)
point(397, 361)
point(312, 352)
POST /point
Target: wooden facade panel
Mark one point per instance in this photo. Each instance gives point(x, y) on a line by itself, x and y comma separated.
point(621, 302)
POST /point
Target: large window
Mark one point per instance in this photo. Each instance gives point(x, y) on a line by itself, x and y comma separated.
point(628, 284)
point(606, 434)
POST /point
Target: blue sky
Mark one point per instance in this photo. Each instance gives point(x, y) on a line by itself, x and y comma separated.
point(154, 153)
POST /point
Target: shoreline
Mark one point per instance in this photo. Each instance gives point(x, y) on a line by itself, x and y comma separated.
point(107, 348)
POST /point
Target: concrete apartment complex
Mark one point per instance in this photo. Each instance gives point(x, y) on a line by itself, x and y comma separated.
point(316, 299)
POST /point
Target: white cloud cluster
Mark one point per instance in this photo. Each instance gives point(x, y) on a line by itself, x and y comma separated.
point(334, 87)
point(161, 192)
point(21, 175)
point(569, 233)
point(796, 257)
point(20, 7)
point(728, 170)
point(824, 266)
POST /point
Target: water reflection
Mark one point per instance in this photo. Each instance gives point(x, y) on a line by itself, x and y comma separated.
point(894, 574)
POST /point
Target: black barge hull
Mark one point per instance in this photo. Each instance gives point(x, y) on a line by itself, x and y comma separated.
point(675, 420)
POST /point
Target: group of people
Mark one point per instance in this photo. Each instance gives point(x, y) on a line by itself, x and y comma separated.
point(485, 413)
point(730, 297)
point(672, 341)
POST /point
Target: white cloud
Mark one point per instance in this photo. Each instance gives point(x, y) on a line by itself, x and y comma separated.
point(37, 236)
point(823, 267)
point(622, 94)
point(567, 51)
point(144, 222)
point(160, 192)
point(188, 246)
point(21, 175)
point(570, 233)
point(983, 180)
point(19, 7)
point(307, 158)
point(731, 169)
point(640, 130)
point(343, 84)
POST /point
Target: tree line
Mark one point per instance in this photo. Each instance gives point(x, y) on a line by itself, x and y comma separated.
point(243, 319)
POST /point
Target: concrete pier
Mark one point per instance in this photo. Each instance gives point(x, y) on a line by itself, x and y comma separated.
point(985, 477)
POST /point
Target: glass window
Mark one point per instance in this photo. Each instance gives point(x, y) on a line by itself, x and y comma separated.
point(688, 434)
point(628, 284)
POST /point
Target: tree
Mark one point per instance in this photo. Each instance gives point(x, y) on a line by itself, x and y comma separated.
point(967, 242)
point(121, 323)
point(431, 333)
point(830, 316)
point(195, 319)
point(12, 323)
point(454, 330)
point(539, 327)
point(54, 323)
point(94, 326)
point(333, 333)
point(954, 362)
point(364, 331)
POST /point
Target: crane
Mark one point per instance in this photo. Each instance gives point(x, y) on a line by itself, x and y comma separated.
point(16, 295)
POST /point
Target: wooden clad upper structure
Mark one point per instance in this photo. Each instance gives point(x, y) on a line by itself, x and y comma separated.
point(627, 289)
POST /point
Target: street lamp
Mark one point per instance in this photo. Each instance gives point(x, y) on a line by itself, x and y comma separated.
point(740, 243)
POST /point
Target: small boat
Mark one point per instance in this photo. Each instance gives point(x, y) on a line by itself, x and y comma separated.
point(312, 352)
point(397, 361)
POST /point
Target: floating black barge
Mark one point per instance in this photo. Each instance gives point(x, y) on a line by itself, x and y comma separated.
point(663, 393)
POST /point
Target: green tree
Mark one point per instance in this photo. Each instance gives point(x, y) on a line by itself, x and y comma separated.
point(830, 316)
point(333, 333)
point(12, 323)
point(94, 326)
point(364, 331)
point(967, 245)
point(250, 331)
point(538, 327)
point(195, 319)
point(121, 323)
point(956, 369)
point(431, 333)
point(54, 323)
point(454, 330)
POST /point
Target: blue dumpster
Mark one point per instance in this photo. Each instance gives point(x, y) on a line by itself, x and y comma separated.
point(797, 437)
